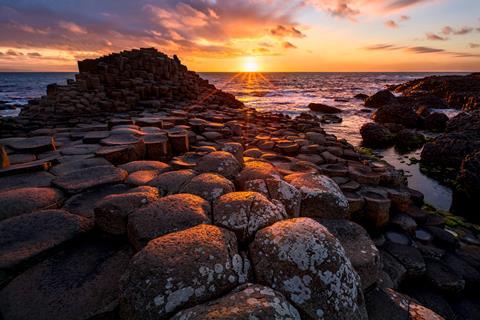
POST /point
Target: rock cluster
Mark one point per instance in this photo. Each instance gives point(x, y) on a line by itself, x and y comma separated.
point(216, 211)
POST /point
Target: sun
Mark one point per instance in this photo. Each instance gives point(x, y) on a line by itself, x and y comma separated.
point(250, 64)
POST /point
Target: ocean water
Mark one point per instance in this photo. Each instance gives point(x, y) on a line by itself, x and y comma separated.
point(288, 93)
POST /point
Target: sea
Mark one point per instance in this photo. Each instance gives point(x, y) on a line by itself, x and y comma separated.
point(288, 93)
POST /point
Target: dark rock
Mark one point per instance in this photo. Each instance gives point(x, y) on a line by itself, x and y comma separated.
point(302, 260)
point(395, 270)
point(82, 179)
point(436, 122)
point(34, 144)
point(164, 278)
point(461, 268)
point(133, 166)
point(361, 96)
point(77, 283)
point(376, 136)
point(208, 186)
point(396, 113)
point(29, 235)
point(409, 140)
point(26, 200)
point(443, 278)
point(24, 180)
point(71, 166)
point(321, 196)
point(169, 214)
point(467, 191)
point(323, 108)
point(246, 212)
point(359, 248)
point(4, 160)
point(432, 300)
point(379, 99)
point(245, 302)
point(172, 182)
point(443, 238)
point(254, 170)
point(408, 256)
point(221, 162)
point(111, 213)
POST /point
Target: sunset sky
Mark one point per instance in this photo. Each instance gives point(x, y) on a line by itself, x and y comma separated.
point(268, 35)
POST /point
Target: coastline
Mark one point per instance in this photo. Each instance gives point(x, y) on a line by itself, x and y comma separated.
point(141, 155)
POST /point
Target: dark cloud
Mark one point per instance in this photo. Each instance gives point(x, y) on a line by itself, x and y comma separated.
point(343, 9)
point(401, 4)
point(289, 45)
point(34, 54)
point(419, 50)
point(286, 31)
point(404, 18)
point(435, 37)
point(447, 30)
point(391, 24)
point(474, 45)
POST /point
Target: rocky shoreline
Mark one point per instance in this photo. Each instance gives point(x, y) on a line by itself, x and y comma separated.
point(140, 191)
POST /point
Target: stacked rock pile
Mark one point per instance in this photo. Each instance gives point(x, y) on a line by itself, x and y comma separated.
point(217, 212)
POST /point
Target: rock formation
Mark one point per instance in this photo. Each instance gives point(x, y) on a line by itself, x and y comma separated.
point(194, 207)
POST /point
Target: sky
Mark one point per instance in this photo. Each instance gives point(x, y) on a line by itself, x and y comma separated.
point(246, 35)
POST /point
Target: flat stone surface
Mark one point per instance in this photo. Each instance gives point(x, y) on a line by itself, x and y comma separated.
point(21, 158)
point(175, 280)
point(26, 200)
point(221, 162)
point(82, 179)
point(172, 182)
point(360, 249)
point(84, 203)
point(408, 256)
point(250, 301)
point(26, 236)
point(301, 259)
point(169, 214)
point(24, 180)
point(33, 145)
point(76, 283)
point(37, 165)
point(254, 170)
point(71, 166)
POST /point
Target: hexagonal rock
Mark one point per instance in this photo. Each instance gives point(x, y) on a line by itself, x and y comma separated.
point(246, 212)
point(142, 165)
point(220, 162)
point(171, 182)
point(302, 260)
point(209, 186)
point(250, 301)
point(80, 282)
point(26, 200)
point(122, 153)
point(71, 166)
point(254, 170)
point(234, 148)
point(111, 213)
point(141, 178)
point(82, 179)
point(180, 270)
point(169, 214)
point(279, 190)
point(24, 180)
point(34, 144)
point(360, 249)
point(321, 196)
point(26, 236)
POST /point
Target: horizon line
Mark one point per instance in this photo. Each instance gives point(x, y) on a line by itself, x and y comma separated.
point(363, 71)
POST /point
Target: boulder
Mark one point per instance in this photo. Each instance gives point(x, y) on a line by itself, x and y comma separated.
point(234, 148)
point(27, 236)
point(396, 113)
point(250, 301)
point(323, 108)
point(27, 200)
point(436, 122)
point(409, 140)
point(79, 180)
point(142, 165)
point(302, 260)
point(80, 282)
point(208, 186)
point(169, 214)
point(141, 178)
point(321, 196)
point(376, 136)
point(172, 182)
point(467, 191)
point(254, 170)
point(246, 212)
point(379, 99)
point(359, 248)
point(408, 256)
point(389, 304)
point(111, 213)
point(164, 277)
point(221, 162)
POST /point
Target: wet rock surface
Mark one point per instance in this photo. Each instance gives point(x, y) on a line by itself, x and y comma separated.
point(157, 161)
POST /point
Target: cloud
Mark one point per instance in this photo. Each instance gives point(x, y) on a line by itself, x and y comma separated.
point(286, 31)
point(435, 37)
point(72, 27)
point(404, 18)
point(34, 54)
point(474, 45)
point(289, 45)
point(419, 50)
point(391, 24)
point(447, 30)
point(402, 4)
